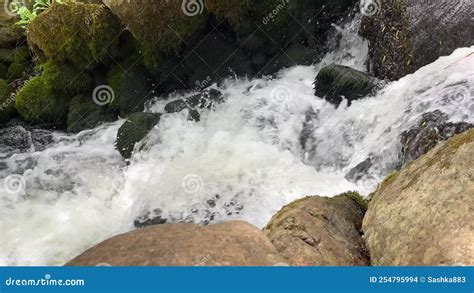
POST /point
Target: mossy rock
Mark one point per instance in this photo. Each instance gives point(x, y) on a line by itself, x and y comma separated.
point(7, 55)
point(85, 114)
point(66, 78)
point(82, 34)
point(131, 85)
point(137, 127)
point(37, 103)
point(150, 23)
point(335, 81)
point(7, 103)
point(16, 70)
point(3, 71)
point(22, 54)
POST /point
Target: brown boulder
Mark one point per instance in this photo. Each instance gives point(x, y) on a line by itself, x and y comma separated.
point(320, 231)
point(229, 244)
point(423, 215)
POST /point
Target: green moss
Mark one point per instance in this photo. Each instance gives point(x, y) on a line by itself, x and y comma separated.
point(15, 71)
point(37, 103)
point(66, 78)
point(7, 103)
point(389, 179)
point(3, 70)
point(129, 81)
point(356, 197)
point(22, 54)
point(82, 34)
point(154, 33)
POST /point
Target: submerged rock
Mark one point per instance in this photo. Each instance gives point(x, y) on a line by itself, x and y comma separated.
point(320, 231)
point(432, 129)
point(422, 215)
point(137, 126)
point(406, 35)
point(334, 82)
point(229, 244)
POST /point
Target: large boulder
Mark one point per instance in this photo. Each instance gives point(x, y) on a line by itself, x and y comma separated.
point(406, 35)
point(77, 33)
point(228, 244)
point(137, 127)
point(335, 82)
point(320, 231)
point(432, 129)
point(422, 215)
point(159, 26)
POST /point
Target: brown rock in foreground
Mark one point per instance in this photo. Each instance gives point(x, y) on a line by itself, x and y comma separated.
point(424, 215)
point(229, 244)
point(320, 231)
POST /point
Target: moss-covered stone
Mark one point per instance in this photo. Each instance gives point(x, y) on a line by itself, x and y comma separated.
point(66, 78)
point(355, 196)
point(37, 103)
point(22, 54)
point(15, 71)
point(131, 85)
point(85, 114)
point(7, 103)
point(137, 126)
point(3, 71)
point(82, 34)
point(150, 23)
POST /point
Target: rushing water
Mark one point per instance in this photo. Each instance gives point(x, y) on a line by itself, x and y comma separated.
point(270, 143)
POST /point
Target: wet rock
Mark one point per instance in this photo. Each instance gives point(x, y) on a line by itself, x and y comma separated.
point(149, 219)
point(16, 139)
point(406, 35)
point(227, 244)
point(137, 126)
point(422, 215)
point(334, 82)
point(432, 129)
point(320, 231)
point(84, 114)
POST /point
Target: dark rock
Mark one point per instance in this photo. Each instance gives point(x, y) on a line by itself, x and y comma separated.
point(137, 126)
point(131, 85)
point(432, 129)
point(16, 139)
point(149, 219)
point(359, 171)
point(406, 35)
point(297, 54)
point(214, 59)
point(335, 81)
point(85, 114)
